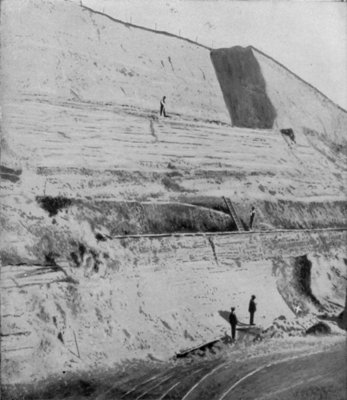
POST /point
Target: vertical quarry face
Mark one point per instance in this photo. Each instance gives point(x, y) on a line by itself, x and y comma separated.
point(243, 87)
point(116, 242)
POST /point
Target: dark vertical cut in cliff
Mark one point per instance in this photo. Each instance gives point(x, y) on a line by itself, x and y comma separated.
point(243, 87)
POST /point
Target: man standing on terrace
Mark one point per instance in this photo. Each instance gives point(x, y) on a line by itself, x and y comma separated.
point(162, 107)
point(252, 309)
point(233, 322)
point(251, 218)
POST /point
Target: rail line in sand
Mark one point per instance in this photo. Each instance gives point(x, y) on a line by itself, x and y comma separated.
point(189, 394)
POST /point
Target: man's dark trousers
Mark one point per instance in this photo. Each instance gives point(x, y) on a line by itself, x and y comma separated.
point(162, 110)
point(233, 331)
point(251, 221)
point(251, 318)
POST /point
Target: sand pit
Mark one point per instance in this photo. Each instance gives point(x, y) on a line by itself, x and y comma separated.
point(117, 249)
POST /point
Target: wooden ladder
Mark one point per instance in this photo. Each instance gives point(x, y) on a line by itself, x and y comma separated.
point(233, 214)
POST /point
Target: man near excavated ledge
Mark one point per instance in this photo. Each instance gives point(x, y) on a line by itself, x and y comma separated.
point(163, 107)
point(233, 322)
point(252, 308)
point(251, 218)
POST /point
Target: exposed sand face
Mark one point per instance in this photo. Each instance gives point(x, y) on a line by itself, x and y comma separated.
point(152, 297)
point(90, 141)
point(302, 107)
point(73, 116)
point(73, 147)
point(92, 58)
point(85, 127)
point(261, 93)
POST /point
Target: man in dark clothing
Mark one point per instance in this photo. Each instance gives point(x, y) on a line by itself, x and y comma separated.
point(252, 215)
point(162, 107)
point(252, 309)
point(233, 322)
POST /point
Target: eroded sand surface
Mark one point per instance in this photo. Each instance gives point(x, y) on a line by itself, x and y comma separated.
point(118, 248)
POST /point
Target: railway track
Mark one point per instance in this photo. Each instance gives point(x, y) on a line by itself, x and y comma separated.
point(227, 380)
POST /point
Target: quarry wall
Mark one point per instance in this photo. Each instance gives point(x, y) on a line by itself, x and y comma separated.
point(153, 297)
point(86, 128)
point(101, 91)
point(89, 57)
point(69, 148)
point(52, 229)
point(261, 93)
point(301, 106)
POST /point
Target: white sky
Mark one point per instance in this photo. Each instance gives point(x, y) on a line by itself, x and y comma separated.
point(310, 38)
